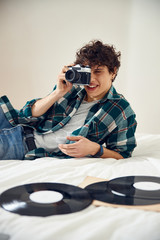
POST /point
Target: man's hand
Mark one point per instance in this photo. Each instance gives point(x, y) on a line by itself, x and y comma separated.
point(63, 86)
point(81, 148)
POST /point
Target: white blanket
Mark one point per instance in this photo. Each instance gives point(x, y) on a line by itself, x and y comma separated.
point(92, 223)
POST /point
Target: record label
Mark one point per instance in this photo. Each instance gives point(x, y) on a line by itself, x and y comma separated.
point(46, 196)
point(21, 199)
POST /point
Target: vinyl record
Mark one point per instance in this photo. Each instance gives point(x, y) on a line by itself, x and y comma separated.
point(125, 185)
point(17, 199)
point(100, 191)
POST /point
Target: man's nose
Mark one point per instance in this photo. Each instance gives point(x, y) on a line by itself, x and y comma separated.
point(92, 77)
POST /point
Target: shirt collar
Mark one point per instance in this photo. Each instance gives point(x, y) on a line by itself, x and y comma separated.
point(78, 91)
point(111, 95)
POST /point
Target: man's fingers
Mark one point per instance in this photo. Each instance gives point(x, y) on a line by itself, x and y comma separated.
point(68, 146)
point(74, 138)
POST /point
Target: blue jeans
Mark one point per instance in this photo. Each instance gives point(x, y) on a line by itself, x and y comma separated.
point(12, 145)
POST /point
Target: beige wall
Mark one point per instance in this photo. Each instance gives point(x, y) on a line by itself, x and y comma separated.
point(38, 37)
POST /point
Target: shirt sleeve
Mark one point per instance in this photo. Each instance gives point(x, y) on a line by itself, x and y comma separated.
point(122, 139)
point(25, 114)
point(15, 116)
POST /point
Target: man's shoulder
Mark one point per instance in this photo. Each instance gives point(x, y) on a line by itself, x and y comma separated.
point(120, 103)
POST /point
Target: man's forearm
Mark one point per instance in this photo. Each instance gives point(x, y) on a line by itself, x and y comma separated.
point(111, 154)
point(41, 106)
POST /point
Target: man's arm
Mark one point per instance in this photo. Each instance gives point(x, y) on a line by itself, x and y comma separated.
point(42, 105)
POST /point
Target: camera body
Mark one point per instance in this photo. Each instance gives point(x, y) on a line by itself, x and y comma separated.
point(80, 75)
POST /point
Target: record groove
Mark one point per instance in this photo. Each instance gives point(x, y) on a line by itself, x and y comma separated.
point(125, 185)
point(101, 191)
point(17, 199)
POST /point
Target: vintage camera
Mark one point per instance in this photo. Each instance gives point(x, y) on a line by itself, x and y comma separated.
point(78, 74)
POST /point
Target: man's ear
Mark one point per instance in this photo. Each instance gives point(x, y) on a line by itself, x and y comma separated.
point(114, 74)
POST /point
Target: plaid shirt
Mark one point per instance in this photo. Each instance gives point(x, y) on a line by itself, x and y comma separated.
point(111, 121)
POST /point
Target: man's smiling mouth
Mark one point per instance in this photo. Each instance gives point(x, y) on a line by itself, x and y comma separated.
point(92, 87)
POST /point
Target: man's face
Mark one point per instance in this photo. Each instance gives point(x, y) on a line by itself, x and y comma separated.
point(101, 81)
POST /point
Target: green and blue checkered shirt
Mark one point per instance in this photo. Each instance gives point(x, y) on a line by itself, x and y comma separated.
point(111, 121)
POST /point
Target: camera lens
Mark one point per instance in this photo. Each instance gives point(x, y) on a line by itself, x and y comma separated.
point(70, 75)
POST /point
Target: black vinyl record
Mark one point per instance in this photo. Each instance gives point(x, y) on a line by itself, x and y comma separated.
point(17, 199)
point(102, 192)
point(125, 185)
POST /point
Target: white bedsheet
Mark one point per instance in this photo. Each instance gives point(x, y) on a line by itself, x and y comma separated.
point(92, 223)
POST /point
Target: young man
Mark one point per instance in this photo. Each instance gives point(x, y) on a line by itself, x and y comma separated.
point(73, 121)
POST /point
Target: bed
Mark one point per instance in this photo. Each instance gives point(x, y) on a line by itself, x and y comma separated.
point(91, 223)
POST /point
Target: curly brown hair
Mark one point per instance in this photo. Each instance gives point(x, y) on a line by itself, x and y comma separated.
point(96, 53)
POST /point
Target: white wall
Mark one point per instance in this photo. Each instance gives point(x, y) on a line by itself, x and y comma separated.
point(143, 68)
point(38, 37)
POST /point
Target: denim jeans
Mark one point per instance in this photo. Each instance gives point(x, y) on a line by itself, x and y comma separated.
point(12, 145)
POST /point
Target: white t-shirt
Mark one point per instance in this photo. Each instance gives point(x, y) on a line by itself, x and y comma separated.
point(51, 140)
